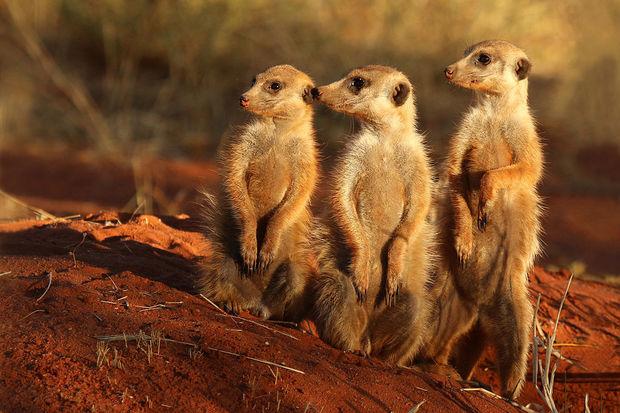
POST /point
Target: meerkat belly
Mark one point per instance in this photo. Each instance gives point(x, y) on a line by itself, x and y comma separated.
point(380, 204)
point(485, 271)
point(268, 179)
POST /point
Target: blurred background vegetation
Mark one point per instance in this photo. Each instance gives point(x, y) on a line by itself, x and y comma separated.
point(134, 80)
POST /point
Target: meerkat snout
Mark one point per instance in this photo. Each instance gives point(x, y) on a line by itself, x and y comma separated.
point(449, 72)
point(244, 101)
point(316, 93)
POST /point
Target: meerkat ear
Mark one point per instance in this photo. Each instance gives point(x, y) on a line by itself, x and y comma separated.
point(400, 94)
point(523, 68)
point(307, 94)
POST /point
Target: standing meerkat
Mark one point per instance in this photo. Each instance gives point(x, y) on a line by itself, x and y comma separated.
point(259, 224)
point(492, 217)
point(373, 258)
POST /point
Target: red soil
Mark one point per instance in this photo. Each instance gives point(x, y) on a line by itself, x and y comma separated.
point(103, 268)
point(577, 228)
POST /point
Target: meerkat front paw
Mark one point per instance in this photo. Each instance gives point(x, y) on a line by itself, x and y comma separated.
point(396, 257)
point(463, 244)
point(267, 253)
point(360, 284)
point(360, 279)
point(392, 289)
point(232, 307)
point(483, 215)
point(365, 345)
point(249, 252)
point(261, 311)
point(487, 196)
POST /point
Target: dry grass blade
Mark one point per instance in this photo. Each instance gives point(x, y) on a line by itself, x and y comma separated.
point(213, 304)
point(92, 119)
point(5, 273)
point(535, 344)
point(273, 330)
point(38, 211)
point(218, 308)
point(542, 368)
point(140, 337)
point(102, 353)
point(79, 244)
point(167, 304)
point(415, 408)
point(31, 313)
point(280, 322)
point(270, 363)
point(49, 284)
point(117, 361)
point(482, 390)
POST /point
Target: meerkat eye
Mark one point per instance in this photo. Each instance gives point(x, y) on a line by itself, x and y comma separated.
point(484, 58)
point(275, 86)
point(358, 83)
point(253, 81)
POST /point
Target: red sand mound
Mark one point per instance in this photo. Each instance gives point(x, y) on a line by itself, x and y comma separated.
point(113, 275)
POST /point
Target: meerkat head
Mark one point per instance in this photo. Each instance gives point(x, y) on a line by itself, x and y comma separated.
point(491, 67)
point(279, 92)
point(372, 94)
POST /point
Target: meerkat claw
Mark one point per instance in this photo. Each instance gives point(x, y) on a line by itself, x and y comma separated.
point(390, 296)
point(483, 220)
point(231, 308)
point(361, 295)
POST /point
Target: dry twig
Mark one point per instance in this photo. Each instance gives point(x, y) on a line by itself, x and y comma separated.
point(541, 370)
point(49, 284)
point(270, 363)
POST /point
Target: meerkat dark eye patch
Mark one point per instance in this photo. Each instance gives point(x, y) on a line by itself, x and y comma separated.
point(523, 68)
point(253, 80)
point(357, 83)
point(275, 86)
point(400, 94)
point(307, 94)
point(484, 58)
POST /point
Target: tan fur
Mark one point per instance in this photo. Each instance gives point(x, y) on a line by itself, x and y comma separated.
point(259, 223)
point(491, 219)
point(373, 249)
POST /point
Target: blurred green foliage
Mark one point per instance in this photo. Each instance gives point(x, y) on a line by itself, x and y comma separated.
point(164, 75)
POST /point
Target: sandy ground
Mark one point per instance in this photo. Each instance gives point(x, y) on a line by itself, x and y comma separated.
point(113, 274)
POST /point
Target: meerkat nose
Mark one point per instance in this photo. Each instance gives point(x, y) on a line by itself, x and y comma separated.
point(315, 92)
point(449, 72)
point(244, 101)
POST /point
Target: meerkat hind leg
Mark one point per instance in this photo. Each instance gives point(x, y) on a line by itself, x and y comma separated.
point(397, 332)
point(468, 350)
point(341, 321)
point(508, 323)
point(222, 283)
point(285, 296)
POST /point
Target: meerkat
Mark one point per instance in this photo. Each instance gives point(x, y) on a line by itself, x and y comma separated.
point(373, 249)
point(259, 223)
point(492, 213)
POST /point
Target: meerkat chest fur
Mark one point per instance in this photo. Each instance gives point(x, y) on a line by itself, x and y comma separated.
point(271, 167)
point(491, 145)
